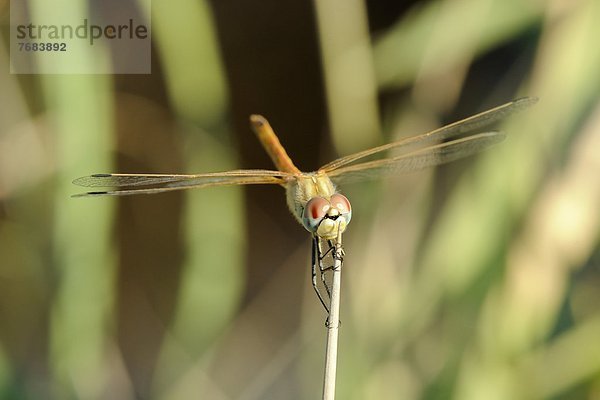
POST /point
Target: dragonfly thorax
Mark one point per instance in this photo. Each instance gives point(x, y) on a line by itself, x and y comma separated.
point(313, 200)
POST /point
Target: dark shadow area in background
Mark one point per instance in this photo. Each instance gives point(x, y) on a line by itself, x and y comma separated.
point(278, 76)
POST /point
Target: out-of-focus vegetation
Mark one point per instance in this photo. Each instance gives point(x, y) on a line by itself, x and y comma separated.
point(476, 280)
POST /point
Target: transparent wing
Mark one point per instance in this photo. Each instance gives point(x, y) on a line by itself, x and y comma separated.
point(127, 184)
point(417, 160)
point(452, 131)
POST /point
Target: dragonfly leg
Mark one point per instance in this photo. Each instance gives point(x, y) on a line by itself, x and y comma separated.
point(338, 253)
point(337, 259)
point(322, 268)
point(329, 250)
point(316, 259)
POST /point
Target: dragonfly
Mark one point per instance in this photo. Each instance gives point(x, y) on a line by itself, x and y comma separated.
point(313, 197)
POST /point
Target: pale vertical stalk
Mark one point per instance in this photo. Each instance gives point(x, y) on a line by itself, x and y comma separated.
point(333, 325)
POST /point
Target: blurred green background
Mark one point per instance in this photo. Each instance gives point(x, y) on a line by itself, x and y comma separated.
point(475, 280)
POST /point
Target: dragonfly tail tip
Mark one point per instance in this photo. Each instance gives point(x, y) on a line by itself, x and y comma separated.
point(257, 120)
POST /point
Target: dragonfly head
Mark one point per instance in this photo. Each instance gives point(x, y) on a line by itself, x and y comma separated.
point(326, 218)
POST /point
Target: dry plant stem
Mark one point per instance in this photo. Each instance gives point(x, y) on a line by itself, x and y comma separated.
point(333, 324)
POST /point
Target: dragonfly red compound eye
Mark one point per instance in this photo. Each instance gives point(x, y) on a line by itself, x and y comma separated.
point(340, 202)
point(314, 212)
point(342, 205)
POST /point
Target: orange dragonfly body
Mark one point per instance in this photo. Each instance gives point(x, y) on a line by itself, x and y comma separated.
point(312, 197)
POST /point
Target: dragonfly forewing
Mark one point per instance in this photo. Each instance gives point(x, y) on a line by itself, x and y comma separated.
point(418, 160)
point(127, 184)
point(448, 132)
